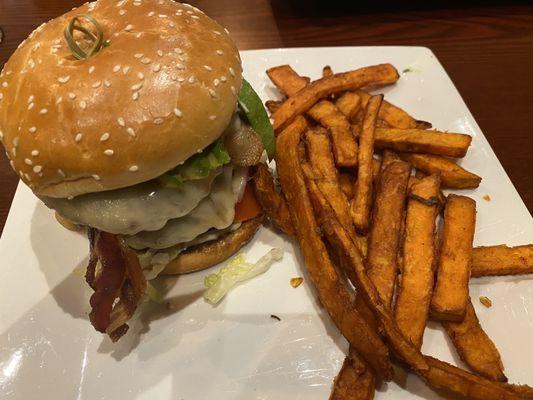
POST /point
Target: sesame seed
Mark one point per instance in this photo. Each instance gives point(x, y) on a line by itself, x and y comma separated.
point(104, 137)
point(128, 27)
point(231, 71)
point(28, 178)
point(28, 161)
point(180, 79)
point(78, 137)
point(195, 17)
point(140, 75)
point(190, 12)
point(220, 52)
point(126, 69)
point(178, 50)
point(160, 53)
point(137, 86)
point(131, 132)
point(233, 90)
point(96, 177)
point(172, 25)
point(107, 83)
point(91, 69)
point(35, 153)
point(158, 121)
point(138, 35)
point(212, 117)
point(109, 152)
point(121, 121)
point(63, 79)
point(37, 169)
point(207, 67)
point(223, 78)
point(122, 12)
point(162, 16)
point(191, 79)
point(146, 60)
point(1, 96)
point(217, 33)
point(212, 93)
point(59, 100)
point(1, 135)
point(30, 106)
point(180, 66)
point(135, 96)
point(134, 168)
point(216, 82)
point(5, 84)
point(33, 129)
point(96, 84)
point(116, 68)
point(60, 172)
point(226, 30)
point(83, 104)
point(151, 14)
point(72, 96)
point(43, 111)
point(178, 112)
point(138, 55)
point(156, 67)
point(16, 141)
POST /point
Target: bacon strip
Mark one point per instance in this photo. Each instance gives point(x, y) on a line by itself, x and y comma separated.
point(113, 273)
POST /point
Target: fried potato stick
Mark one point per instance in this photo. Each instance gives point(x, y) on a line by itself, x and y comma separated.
point(327, 71)
point(349, 104)
point(273, 105)
point(363, 192)
point(332, 292)
point(452, 175)
point(385, 231)
point(421, 141)
point(450, 296)
point(344, 144)
point(273, 203)
point(437, 374)
point(303, 100)
point(418, 253)
point(355, 380)
point(286, 79)
point(475, 347)
point(394, 116)
point(502, 260)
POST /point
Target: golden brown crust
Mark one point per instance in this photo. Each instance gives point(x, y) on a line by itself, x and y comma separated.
point(208, 254)
point(165, 87)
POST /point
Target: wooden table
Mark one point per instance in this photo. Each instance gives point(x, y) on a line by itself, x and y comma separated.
point(487, 50)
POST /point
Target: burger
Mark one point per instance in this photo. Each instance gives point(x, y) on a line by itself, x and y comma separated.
point(131, 119)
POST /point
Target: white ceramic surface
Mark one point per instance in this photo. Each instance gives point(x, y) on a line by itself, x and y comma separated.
point(48, 349)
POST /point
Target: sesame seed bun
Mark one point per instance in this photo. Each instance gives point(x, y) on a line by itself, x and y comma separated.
point(208, 254)
point(164, 88)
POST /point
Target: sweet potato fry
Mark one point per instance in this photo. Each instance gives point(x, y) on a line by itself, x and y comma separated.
point(452, 175)
point(450, 296)
point(286, 79)
point(355, 380)
point(421, 141)
point(475, 347)
point(416, 284)
point(273, 105)
point(394, 116)
point(303, 100)
point(436, 373)
point(344, 144)
point(332, 292)
point(327, 71)
point(348, 104)
point(385, 231)
point(502, 260)
point(363, 193)
point(272, 202)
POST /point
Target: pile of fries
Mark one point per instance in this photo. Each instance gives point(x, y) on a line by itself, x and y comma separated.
point(361, 191)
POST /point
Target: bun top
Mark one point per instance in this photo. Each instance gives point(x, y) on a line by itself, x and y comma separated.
point(162, 89)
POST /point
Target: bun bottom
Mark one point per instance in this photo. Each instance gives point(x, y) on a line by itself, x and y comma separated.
point(207, 254)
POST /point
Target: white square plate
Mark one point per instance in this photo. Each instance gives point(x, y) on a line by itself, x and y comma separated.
point(49, 350)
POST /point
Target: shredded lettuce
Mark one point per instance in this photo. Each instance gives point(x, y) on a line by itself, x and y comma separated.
point(153, 294)
point(252, 106)
point(198, 166)
point(236, 271)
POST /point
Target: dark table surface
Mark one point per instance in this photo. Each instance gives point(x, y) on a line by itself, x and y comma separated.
point(486, 47)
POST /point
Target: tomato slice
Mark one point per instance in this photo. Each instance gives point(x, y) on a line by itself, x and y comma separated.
point(248, 207)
